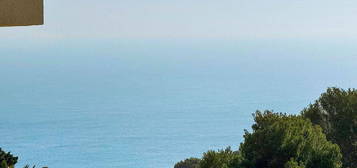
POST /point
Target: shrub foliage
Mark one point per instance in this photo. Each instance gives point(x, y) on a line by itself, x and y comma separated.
point(336, 112)
point(7, 159)
point(280, 140)
point(188, 163)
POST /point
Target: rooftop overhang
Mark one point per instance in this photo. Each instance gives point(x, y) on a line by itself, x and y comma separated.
point(21, 12)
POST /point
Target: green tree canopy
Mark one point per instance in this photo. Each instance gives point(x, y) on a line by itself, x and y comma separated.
point(188, 163)
point(7, 159)
point(220, 159)
point(280, 140)
point(336, 112)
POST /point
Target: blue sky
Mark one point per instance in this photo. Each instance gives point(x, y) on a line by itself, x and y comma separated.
point(227, 19)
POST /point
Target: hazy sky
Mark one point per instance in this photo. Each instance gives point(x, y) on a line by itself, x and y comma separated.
point(233, 19)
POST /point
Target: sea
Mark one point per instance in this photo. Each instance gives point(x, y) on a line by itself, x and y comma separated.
point(149, 103)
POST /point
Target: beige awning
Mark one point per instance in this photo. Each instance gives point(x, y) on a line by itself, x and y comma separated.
point(21, 12)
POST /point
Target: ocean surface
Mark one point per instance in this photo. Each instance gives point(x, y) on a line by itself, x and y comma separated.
point(94, 103)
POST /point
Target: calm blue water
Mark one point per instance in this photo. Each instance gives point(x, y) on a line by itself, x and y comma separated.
point(149, 104)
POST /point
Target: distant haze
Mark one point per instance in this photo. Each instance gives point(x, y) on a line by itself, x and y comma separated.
point(233, 19)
